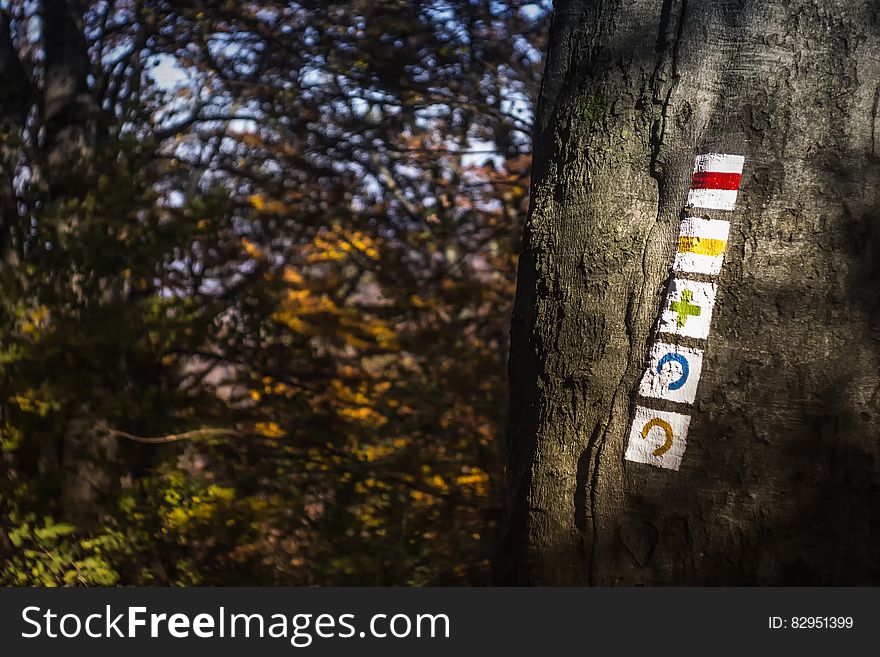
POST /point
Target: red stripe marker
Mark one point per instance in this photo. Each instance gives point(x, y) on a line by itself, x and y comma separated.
point(716, 180)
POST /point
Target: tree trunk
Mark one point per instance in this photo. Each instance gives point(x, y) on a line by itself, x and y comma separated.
point(70, 110)
point(14, 105)
point(780, 479)
point(69, 118)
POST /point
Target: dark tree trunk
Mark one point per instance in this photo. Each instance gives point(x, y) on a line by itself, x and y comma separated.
point(14, 106)
point(70, 110)
point(69, 122)
point(780, 480)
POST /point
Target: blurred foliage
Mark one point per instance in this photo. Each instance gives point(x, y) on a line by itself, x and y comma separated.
point(265, 328)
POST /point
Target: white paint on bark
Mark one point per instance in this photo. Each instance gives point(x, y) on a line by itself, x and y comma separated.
point(716, 181)
point(701, 246)
point(688, 308)
point(673, 373)
point(658, 438)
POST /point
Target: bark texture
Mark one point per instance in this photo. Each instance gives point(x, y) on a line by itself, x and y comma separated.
point(14, 105)
point(780, 483)
point(70, 110)
point(70, 114)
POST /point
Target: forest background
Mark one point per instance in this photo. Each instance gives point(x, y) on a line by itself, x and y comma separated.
point(257, 265)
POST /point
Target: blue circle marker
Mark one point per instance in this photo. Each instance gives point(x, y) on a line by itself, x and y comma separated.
point(685, 369)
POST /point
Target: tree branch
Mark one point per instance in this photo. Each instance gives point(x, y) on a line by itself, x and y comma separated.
point(175, 437)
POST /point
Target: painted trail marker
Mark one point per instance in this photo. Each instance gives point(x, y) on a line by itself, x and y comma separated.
point(673, 373)
point(657, 438)
point(716, 181)
point(688, 308)
point(701, 246)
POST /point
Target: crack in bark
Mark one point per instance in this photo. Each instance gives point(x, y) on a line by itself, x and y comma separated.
point(874, 120)
point(666, 56)
point(659, 129)
point(597, 444)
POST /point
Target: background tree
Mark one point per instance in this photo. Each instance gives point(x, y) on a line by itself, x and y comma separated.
point(780, 479)
point(257, 264)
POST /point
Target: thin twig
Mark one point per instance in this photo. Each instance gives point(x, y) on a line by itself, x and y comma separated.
point(175, 437)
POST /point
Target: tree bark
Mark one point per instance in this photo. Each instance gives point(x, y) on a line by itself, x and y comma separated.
point(70, 110)
point(780, 479)
point(70, 125)
point(14, 106)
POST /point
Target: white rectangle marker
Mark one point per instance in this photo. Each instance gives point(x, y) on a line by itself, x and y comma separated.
point(673, 373)
point(716, 181)
point(688, 308)
point(701, 245)
point(657, 438)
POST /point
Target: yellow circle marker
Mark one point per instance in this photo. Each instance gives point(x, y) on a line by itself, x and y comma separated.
point(667, 428)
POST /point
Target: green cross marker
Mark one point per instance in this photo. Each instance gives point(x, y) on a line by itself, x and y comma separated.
point(685, 308)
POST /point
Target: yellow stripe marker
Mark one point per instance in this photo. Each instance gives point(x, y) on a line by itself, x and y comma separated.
point(701, 245)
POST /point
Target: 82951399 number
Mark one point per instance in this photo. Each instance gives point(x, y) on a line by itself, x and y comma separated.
point(811, 623)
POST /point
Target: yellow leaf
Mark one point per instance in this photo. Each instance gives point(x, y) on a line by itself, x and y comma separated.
point(269, 429)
